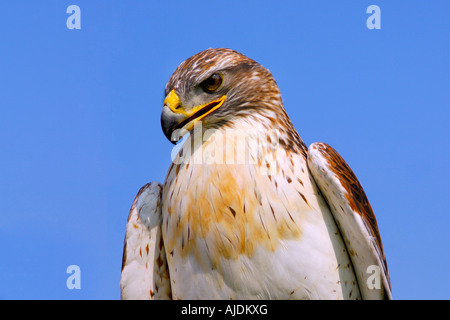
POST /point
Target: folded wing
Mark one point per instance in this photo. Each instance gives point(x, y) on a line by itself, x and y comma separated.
point(354, 217)
point(145, 274)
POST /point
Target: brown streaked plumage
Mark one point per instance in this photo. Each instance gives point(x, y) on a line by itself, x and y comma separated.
point(333, 175)
point(259, 216)
point(144, 264)
point(355, 195)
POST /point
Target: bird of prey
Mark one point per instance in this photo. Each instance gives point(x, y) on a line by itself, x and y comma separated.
point(253, 215)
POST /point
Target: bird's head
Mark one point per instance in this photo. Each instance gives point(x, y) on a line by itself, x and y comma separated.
point(217, 86)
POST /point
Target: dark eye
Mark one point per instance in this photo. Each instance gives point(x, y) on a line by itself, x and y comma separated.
point(212, 83)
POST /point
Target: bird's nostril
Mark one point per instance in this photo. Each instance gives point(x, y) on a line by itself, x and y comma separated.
point(178, 106)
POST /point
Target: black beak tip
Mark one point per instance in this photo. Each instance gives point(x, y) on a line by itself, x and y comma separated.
point(168, 129)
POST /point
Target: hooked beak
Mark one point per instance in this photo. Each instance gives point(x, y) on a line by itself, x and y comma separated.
point(176, 121)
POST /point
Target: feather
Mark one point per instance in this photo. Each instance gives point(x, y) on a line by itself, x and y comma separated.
point(144, 267)
point(354, 216)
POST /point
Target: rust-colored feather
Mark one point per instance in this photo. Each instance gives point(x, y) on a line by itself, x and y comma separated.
point(355, 194)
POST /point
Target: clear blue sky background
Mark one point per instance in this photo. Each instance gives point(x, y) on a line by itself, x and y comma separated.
point(80, 122)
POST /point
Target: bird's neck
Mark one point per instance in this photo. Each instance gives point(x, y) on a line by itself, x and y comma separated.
point(245, 140)
point(271, 127)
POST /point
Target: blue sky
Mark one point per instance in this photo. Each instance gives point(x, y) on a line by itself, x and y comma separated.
point(80, 122)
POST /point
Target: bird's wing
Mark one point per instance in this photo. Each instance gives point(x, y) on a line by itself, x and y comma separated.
point(355, 218)
point(144, 266)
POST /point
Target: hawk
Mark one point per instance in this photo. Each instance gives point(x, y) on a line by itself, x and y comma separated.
point(253, 215)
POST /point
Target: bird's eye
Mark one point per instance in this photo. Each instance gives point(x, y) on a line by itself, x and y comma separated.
point(212, 83)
